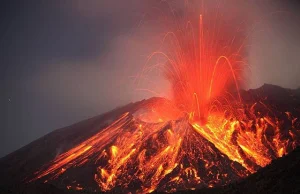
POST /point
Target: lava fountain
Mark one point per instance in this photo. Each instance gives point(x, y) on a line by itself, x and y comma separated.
point(201, 72)
point(205, 136)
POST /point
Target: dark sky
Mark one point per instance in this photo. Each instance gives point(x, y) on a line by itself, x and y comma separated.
point(63, 61)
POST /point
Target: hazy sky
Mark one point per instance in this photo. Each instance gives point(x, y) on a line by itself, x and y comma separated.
point(63, 61)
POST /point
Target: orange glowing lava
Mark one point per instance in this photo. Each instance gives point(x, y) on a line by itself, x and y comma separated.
point(203, 137)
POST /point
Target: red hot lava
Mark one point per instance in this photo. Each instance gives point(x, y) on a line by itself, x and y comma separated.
point(204, 137)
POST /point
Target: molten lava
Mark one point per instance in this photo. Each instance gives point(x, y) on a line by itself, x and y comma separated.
point(200, 73)
point(204, 137)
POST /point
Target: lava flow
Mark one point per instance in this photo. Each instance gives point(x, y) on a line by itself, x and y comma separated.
point(206, 136)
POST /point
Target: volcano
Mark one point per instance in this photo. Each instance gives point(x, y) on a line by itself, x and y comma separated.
point(136, 149)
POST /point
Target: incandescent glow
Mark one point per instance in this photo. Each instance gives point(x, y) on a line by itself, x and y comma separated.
point(205, 136)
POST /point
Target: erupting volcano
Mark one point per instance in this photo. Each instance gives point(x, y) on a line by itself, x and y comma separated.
point(204, 136)
point(207, 134)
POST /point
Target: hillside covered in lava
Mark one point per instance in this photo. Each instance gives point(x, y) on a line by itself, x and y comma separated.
point(137, 149)
point(281, 176)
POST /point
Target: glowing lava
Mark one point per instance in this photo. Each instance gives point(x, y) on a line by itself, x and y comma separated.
point(204, 137)
point(137, 156)
point(199, 75)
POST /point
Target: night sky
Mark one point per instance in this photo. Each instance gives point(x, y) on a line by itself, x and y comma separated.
point(63, 61)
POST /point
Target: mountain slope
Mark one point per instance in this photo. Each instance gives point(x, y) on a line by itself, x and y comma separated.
point(17, 165)
point(281, 176)
point(195, 163)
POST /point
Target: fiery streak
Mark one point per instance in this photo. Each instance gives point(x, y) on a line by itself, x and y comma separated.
point(204, 137)
point(167, 156)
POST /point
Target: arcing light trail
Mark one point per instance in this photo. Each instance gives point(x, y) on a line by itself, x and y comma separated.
point(203, 137)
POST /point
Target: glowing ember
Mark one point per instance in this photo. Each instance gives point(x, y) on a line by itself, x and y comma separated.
point(204, 137)
point(200, 75)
